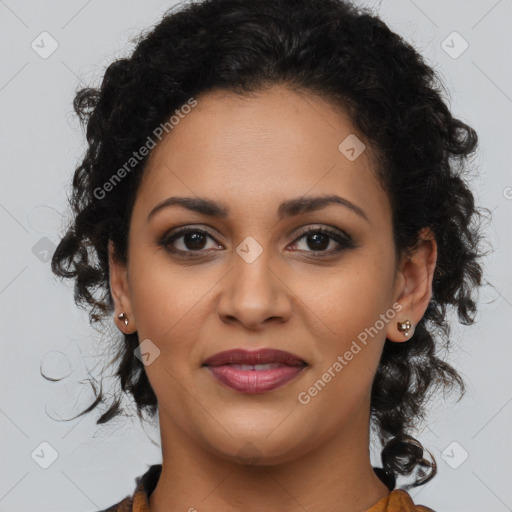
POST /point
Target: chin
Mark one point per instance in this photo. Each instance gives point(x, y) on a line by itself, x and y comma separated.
point(258, 448)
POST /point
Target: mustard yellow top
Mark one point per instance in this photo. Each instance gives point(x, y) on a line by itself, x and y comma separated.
point(397, 500)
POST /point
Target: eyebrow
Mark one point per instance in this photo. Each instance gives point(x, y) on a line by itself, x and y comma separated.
point(288, 208)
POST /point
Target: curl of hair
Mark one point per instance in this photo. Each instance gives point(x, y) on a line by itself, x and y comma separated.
point(348, 56)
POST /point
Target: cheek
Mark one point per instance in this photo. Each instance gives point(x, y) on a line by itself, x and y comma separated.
point(354, 306)
point(172, 306)
point(169, 303)
point(165, 297)
point(348, 298)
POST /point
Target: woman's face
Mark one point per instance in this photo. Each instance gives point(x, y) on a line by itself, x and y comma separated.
point(250, 279)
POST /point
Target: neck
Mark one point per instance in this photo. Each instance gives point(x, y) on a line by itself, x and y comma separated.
point(335, 476)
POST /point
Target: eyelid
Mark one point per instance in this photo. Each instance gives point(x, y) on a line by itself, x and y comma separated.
point(343, 239)
point(326, 228)
point(178, 231)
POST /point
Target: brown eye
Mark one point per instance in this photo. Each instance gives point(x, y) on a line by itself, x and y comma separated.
point(194, 240)
point(319, 239)
point(189, 240)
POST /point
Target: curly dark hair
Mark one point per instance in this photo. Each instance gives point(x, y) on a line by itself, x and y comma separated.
point(348, 56)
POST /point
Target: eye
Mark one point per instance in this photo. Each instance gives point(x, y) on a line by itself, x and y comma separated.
point(190, 242)
point(187, 240)
point(317, 240)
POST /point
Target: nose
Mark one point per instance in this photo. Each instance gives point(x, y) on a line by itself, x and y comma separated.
point(254, 295)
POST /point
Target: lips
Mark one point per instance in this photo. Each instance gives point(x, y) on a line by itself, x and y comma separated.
point(254, 371)
point(263, 356)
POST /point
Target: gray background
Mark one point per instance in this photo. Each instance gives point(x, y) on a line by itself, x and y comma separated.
point(42, 328)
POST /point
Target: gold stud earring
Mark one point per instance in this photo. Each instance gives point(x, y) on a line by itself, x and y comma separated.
point(124, 319)
point(404, 327)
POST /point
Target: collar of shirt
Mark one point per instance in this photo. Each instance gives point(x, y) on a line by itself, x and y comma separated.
point(397, 500)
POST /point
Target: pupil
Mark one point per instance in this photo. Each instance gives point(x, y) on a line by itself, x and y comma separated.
point(194, 240)
point(316, 238)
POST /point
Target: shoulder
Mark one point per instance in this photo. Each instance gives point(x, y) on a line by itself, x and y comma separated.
point(401, 501)
point(139, 500)
point(398, 500)
point(125, 505)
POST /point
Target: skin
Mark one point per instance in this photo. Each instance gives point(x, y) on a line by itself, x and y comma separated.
point(251, 153)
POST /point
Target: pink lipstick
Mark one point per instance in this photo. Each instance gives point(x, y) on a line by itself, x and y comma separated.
point(255, 371)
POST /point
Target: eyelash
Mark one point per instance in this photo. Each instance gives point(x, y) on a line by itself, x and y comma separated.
point(344, 240)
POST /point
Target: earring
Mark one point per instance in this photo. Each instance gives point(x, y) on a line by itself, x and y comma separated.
point(124, 319)
point(404, 327)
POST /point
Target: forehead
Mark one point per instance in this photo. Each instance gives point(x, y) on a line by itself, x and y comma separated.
point(254, 151)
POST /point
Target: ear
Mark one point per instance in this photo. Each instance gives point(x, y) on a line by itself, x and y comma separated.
point(120, 291)
point(413, 285)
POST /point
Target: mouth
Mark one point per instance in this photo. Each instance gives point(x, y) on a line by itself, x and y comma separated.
point(256, 371)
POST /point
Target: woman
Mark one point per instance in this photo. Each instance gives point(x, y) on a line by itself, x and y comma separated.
point(274, 200)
